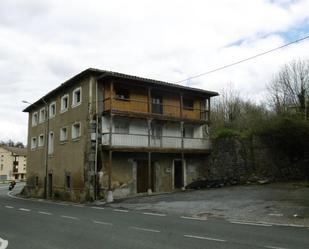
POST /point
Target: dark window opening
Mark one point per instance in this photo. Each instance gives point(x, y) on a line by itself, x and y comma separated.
point(188, 104)
point(188, 132)
point(36, 183)
point(68, 181)
point(122, 94)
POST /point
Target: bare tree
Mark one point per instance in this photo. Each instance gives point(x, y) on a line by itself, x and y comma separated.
point(289, 88)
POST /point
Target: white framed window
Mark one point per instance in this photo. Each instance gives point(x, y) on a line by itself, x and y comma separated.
point(122, 127)
point(77, 97)
point(64, 134)
point(42, 115)
point(41, 140)
point(33, 142)
point(52, 110)
point(64, 103)
point(76, 130)
point(50, 143)
point(35, 118)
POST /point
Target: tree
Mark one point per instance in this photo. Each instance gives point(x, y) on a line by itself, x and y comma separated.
point(289, 88)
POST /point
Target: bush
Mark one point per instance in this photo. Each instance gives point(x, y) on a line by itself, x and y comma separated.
point(225, 132)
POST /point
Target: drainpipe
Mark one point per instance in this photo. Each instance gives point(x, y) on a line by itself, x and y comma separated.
point(96, 143)
point(46, 150)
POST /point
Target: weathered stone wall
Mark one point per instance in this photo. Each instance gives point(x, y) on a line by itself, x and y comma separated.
point(250, 160)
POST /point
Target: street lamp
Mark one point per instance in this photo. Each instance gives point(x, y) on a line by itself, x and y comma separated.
point(47, 142)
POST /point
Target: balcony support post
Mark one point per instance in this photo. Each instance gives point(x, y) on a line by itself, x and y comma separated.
point(109, 197)
point(181, 133)
point(111, 96)
point(149, 100)
point(149, 190)
point(149, 131)
point(111, 121)
point(183, 170)
point(181, 104)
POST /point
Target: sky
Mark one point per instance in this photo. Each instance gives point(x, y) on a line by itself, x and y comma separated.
point(43, 43)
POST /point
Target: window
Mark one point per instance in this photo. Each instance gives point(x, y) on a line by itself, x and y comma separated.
point(122, 127)
point(1, 167)
point(52, 109)
point(51, 143)
point(67, 180)
point(76, 131)
point(77, 96)
point(36, 181)
point(64, 134)
point(188, 104)
point(64, 103)
point(33, 143)
point(34, 118)
point(42, 115)
point(156, 131)
point(122, 94)
point(41, 140)
point(188, 132)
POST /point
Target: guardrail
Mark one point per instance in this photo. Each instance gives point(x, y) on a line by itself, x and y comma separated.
point(142, 140)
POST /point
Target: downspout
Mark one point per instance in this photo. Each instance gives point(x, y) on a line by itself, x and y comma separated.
point(96, 142)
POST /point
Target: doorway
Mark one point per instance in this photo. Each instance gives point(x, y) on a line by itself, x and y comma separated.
point(50, 185)
point(156, 104)
point(178, 174)
point(142, 180)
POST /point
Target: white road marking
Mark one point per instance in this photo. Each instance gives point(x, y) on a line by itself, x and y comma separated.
point(154, 214)
point(102, 223)
point(24, 209)
point(250, 223)
point(47, 213)
point(145, 229)
point(69, 217)
point(79, 205)
point(276, 214)
point(60, 203)
point(98, 208)
point(121, 210)
point(275, 247)
point(8, 206)
point(192, 218)
point(3, 244)
point(205, 238)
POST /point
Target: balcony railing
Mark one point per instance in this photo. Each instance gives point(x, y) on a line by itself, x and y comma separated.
point(142, 140)
point(154, 109)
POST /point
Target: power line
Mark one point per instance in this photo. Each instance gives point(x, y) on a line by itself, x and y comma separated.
point(243, 60)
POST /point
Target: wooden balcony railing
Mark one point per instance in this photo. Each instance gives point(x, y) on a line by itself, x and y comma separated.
point(154, 109)
point(143, 140)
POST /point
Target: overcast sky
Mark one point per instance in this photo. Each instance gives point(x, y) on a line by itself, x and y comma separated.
point(43, 43)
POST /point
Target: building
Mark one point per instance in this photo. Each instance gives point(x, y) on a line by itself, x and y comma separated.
point(12, 163)
point(108, 134)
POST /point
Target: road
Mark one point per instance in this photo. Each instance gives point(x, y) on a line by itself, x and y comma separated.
point(35, 224)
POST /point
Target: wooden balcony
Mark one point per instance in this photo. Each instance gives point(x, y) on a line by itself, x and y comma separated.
point(143, 108)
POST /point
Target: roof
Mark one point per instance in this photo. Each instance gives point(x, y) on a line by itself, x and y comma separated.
point(110, 74)
point(16, 150)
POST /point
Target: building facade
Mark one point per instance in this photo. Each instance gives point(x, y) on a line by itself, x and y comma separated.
point(106, 134)
point(13, 164)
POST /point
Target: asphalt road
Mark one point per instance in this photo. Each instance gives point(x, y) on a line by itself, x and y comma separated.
point(34, 224)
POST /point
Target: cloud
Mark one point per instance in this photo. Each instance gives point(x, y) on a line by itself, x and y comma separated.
point(43, 43)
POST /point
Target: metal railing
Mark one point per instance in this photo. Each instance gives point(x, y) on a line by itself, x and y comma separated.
point(142, 140)
point(156, 109)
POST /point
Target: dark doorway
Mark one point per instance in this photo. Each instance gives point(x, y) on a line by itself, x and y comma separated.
point(50, 185)
point(178, 174)
point(142, 181)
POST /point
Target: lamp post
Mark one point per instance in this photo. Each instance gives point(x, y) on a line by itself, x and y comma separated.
point(47, 142)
